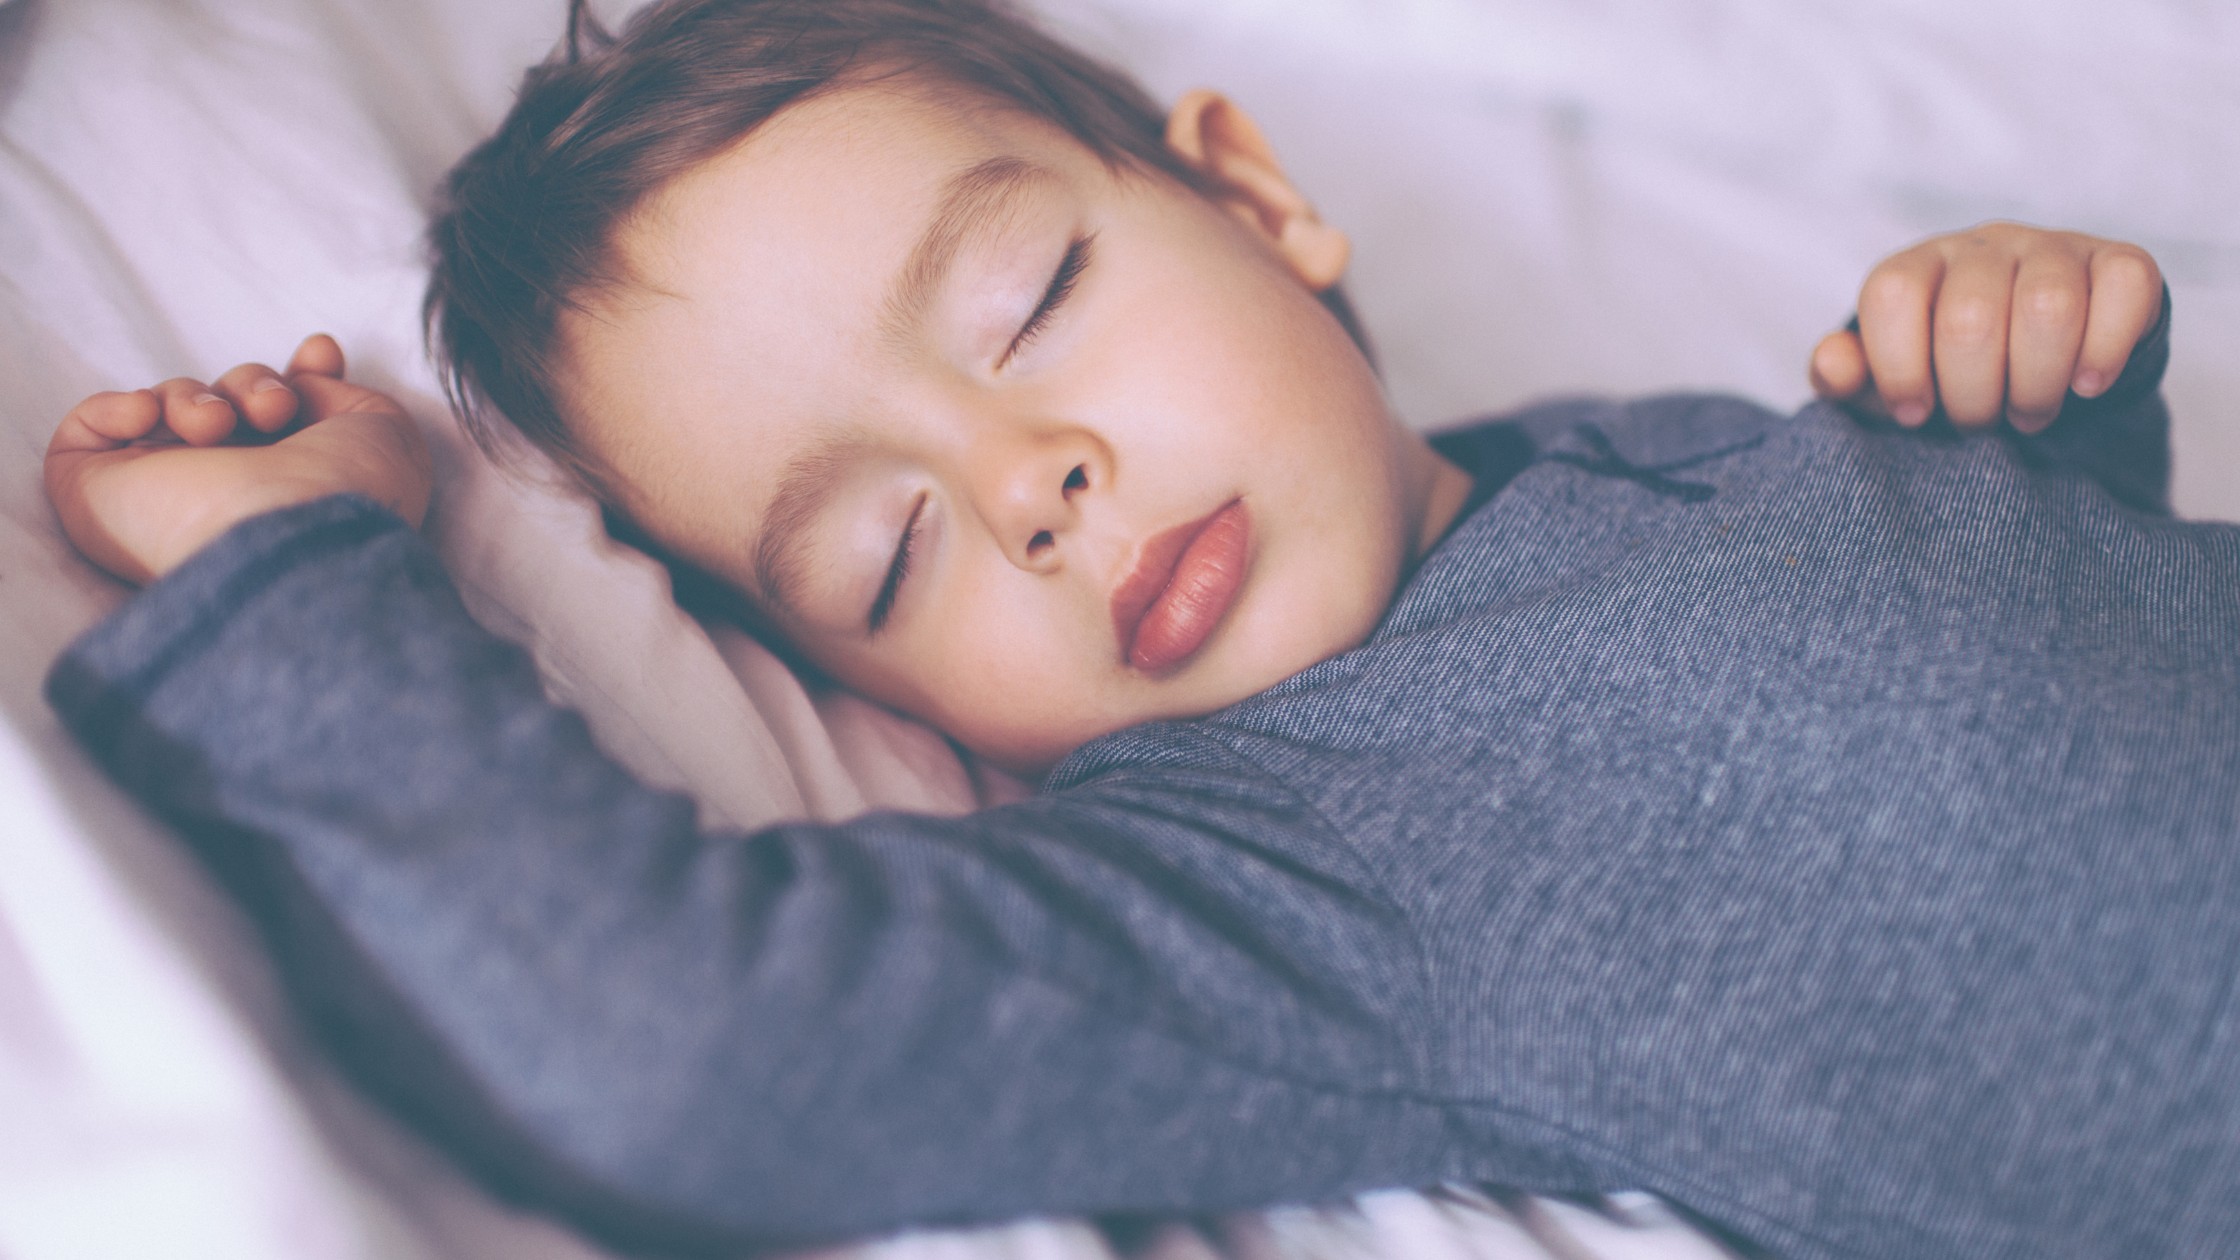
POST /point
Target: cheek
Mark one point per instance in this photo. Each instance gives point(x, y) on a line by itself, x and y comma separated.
point(1219, 350)
point(1002, 664)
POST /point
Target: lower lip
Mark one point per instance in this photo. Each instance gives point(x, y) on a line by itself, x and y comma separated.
point(1205, 583)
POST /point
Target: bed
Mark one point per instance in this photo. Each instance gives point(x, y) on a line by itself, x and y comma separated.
point(1546, 196)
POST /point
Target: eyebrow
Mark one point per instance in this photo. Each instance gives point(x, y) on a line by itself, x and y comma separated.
point(972, 202)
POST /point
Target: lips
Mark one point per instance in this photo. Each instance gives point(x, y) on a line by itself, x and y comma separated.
point(1184, 580)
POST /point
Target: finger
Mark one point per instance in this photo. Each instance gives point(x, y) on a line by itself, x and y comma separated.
point(1839, 365)
point(258, 393)
point(102, 423)
point(319, 355)
point(324, 396)
point(1969, 332)
point(2126, 296)
point(2044, 335)
point(1894, 330)
point(107, 421)
point(193, 412)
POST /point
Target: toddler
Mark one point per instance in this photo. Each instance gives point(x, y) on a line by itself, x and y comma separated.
point(1828, 822)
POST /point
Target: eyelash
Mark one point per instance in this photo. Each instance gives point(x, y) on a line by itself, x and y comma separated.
point(899, 569)
point(1069, 271)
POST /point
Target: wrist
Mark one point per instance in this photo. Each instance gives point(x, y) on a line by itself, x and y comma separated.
point(217, 517)
point(379, 457)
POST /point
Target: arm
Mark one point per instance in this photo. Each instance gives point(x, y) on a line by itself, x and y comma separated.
point(1158, 990)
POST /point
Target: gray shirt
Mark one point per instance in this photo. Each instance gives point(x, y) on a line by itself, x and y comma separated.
point(1833, 829)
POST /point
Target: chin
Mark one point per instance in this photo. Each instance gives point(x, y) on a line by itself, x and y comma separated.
point(1030, 755)
point(1334, 616)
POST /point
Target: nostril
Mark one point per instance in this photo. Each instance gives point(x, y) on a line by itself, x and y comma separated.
point(1041, 542)
point(1078, 479)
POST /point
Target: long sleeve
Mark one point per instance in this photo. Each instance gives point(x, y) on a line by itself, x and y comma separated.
point(1167, 987)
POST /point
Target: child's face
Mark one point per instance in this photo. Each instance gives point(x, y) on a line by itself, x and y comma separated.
point(822, 351)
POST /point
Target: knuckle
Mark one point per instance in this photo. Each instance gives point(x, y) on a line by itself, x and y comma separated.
point(2001, 231)
point(2128, 264)
point(2050, 302)
point(1968, 319)
point(182, 392)
point(116, 403)
point(1992, 235)
point(1890, 288)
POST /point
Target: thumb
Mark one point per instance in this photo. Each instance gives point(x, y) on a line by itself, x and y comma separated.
point(319, 355)
point(315, 373)
point(1839, 365)
point(325, 396)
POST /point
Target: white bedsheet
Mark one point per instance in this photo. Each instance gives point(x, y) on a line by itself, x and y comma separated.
point(1547, 195)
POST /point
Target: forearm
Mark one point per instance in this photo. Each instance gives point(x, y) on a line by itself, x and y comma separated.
point(696, 1041)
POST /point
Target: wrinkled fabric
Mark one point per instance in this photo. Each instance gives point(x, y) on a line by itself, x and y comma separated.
point(1833, 829)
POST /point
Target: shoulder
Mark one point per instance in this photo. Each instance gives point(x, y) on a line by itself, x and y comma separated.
point(1658, 426)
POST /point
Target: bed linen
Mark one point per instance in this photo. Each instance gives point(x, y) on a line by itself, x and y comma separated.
point(1546, 197)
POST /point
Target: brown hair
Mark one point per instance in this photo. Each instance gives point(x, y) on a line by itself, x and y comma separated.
point(525, 226)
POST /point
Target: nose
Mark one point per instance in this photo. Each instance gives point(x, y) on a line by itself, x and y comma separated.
point(1031, 488)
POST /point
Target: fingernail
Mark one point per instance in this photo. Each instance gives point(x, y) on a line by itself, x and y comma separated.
point(268, 384)
point(2089, 383)
point(203, 400)
point(1909, 414)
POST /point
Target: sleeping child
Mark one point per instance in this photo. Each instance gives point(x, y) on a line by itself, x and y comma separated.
point(1830, 822)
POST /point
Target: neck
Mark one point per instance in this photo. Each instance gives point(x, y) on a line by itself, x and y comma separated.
point(1446, 488)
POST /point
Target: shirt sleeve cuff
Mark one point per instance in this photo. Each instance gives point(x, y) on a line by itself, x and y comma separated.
point(111, 670)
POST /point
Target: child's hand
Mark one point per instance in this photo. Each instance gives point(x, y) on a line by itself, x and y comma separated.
point(144, 479)
point(1998, 319)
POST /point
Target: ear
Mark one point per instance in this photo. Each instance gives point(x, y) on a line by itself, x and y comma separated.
point(1214, 137)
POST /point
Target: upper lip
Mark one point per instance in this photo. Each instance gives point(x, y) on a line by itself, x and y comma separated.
point(1153, 570)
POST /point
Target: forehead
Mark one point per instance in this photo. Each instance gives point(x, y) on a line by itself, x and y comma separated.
point(778, 253)
point(851, 167)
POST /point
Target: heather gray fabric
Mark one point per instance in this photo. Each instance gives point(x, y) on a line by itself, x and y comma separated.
point(1833, 829)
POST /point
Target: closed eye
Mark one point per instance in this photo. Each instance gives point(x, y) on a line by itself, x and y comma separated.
point(1070, 267)
point(897, 570)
